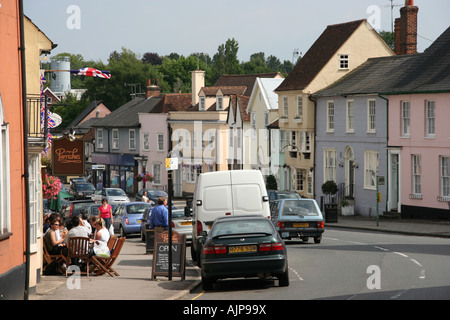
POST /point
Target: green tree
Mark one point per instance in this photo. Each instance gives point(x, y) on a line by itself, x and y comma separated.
point(225, 61)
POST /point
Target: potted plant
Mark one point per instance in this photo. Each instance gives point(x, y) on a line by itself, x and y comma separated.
point(139, 177)
point(347, 208)
point(147, 177)
point(329, 188)
point(51, 187)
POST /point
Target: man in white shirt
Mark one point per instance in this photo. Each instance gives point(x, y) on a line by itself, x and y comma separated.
point(78, 229)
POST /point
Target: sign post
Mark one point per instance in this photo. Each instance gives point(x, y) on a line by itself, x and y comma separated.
point(171, 164)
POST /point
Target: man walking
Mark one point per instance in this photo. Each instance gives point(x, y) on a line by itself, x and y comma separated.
point(159, 220)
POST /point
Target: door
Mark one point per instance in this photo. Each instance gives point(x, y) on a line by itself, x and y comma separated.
point(394, 182)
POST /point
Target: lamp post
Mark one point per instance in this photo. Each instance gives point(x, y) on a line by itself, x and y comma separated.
point(144, 165)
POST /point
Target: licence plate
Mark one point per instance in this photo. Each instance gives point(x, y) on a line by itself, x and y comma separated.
point(186, 223)
point(242, 249)
point(301, 225)
point(139, 222)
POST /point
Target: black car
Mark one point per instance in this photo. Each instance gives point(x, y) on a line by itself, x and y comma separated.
point(243, 246)
point(152, 194)
point(74, 208)
point(282, 194)
point(82, 190)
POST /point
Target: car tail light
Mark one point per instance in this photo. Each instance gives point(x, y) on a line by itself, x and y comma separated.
point(281, 224)
point(320, 224)
point(126, 221)
point(215, 250)
point(173, 225)
point(199, 227)
point(265, 247)
point(70, 212)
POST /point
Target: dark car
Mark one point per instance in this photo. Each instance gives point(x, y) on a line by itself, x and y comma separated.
point(81, 190)
point(152, 194)
point(243, 246)
point(73, 208)
point(280, 194)
point(128, 217)
point(297, 218)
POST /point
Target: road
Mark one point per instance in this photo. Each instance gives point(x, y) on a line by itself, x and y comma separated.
point(351, 265)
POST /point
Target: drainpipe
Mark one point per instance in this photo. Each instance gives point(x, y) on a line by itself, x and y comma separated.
point(314, 141)
point(25, 175)
point(387, 150)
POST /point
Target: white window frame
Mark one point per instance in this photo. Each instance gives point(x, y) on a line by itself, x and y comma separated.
point(99, 138)
point(344, 62)
point(219, 103)
point(115, 139)
point(201, 106)
point(329, 164)
point(300, 107)
point(330, 116)
point(405, 111)
point(299, 180)
point(350, 116)
point(371, 116)
point(370, 169)
point(430, 118)
point(416, 164)
point(285, 107)
point(132, 139)
point(160, 142)
point(445, 176)
point(146, 141)
point(35, 186)
point(5, 196)
point(156, 169)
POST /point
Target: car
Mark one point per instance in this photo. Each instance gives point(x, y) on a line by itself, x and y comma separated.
point(81, 190)
point(77, 180)
point(243, 246)
point(180, 222)
point(282, 194)
point(297, 218)
point(152, 194)
point(113, 195)
point(92, 209)
point(73, 208)
point(128, 216)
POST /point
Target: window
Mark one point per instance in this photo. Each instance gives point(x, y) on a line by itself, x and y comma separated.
point(293, 140)
point(5, 207)
point(34, 166)
point(350, 117)
point(160, 142)
point(146, 141)
point(219, 102)
point(330, 116)
point(157, 173)
point(430, 118)
point(285, 107)
point(445, 176)
point(343, 61)
point(371, 116)
point(100, 138)
point(370, 169)
point(417, 174)
point(330, 164)
point(115, 138)
point(299, 180)
point(191, 173)
point(132, 139)
point(406, 118)
point(299, 107)
point(201, 106)
point(283, 140)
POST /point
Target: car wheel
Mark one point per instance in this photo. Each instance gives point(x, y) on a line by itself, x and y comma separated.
point(142, 236)
point(207, 283)
point(283, 279)
point(193, 253)
point(122, 232)
point(317, 239)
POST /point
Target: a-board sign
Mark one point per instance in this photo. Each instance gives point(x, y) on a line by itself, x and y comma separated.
point(161, 254)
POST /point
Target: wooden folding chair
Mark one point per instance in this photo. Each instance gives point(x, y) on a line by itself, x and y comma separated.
point(107, 263)
point(49, 258)
point(112, 242)
point(79, 251)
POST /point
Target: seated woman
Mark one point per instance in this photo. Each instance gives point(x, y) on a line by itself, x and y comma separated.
point(101, 233)
point(53, 239)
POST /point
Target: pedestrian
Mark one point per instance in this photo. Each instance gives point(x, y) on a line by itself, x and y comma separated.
point(159, 219)
point(105, 212)
point(145, 197)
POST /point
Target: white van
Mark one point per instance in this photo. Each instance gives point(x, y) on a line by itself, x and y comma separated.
point(226, 193)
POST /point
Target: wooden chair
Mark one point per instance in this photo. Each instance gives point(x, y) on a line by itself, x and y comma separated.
point(107, 263)
point(79, 250)
point(112, 242)
point(49, 258)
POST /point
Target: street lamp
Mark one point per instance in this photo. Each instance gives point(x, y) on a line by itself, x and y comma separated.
point(144, 166)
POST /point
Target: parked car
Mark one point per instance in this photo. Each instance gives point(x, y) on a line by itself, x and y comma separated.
point(152, 194)
point(180, 222)
point(282, 194)
point(77, 180)
point(243, 246)
point(92, 209)
point(73, 208)
point(297, 218)
point(81, 190)
point(113, 195)
point(128, 217)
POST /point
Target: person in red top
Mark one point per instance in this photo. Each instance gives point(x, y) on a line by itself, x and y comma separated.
point(105, 212)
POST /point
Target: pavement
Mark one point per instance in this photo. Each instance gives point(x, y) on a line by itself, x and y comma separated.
point(135, 266)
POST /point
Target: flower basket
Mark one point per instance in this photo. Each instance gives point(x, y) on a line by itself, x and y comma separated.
point(139, 177)
point(148, 177)
point(51, 187)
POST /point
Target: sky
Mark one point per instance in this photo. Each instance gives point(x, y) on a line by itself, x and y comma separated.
point(96, 28)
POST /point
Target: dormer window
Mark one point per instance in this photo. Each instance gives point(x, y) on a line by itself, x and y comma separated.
point(219, 102)
point(343, 61)
point(201, 106)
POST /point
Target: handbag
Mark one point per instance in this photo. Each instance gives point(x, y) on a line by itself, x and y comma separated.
point(111, 230)
point(101, 249)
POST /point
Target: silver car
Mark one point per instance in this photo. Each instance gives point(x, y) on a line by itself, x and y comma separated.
point(113, 195)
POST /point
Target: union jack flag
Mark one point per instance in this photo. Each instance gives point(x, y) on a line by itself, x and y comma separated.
point(91, 72)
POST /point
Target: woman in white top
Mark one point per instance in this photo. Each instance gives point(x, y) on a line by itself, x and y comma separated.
point(101, 233)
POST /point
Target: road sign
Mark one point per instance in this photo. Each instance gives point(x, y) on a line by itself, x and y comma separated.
point(171, 163)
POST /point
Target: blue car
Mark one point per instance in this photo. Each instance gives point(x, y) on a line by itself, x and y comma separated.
point(297, 218)
point(128, 216)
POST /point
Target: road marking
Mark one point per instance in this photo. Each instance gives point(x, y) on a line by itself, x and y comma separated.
point(200, 294)
point(398, 295)
point(401, 254)
point(381, 248)
point(296, 273)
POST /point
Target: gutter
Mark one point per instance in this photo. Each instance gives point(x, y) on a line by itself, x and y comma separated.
point(387, 150)
point(25, 175)
point(314, 100)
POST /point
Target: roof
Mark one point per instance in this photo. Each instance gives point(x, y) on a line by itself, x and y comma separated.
point(268, 87)
point(173, 102)
point(127, 115)
point(319, 55)
point(226, 90)
point(94, 104)
point(239, 102)
point(246, 80)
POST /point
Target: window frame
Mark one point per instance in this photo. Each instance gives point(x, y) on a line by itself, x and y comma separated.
point(115, 139)
point(416, 174)
point(350, 116)
point(132, 140)
point(371, 116)
point(330, 116)
point(430, 120)
point(371, 165)
point(344, 61)
point(405, 119)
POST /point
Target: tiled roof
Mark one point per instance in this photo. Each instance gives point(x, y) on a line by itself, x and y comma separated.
point(319, 55)
point(226, 90)
point(173, 102)
point(243, 80)
point(241, 102)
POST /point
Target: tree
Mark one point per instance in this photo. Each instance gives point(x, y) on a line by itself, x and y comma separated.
point(389, 38)
point(152, 58)
point(225, 61)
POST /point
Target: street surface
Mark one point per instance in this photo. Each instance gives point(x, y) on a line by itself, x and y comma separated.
point(350, 265)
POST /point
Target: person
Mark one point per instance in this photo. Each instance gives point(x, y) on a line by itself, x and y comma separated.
point(101, 233)
point(85, 218)
point(159, 219)
point(53, 240)
point(105, 212)
point(78, 229)
point(145, 197)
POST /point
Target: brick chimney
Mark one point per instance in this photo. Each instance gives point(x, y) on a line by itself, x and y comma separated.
point(198, 82)
point(152, 90)
point(406, 29)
